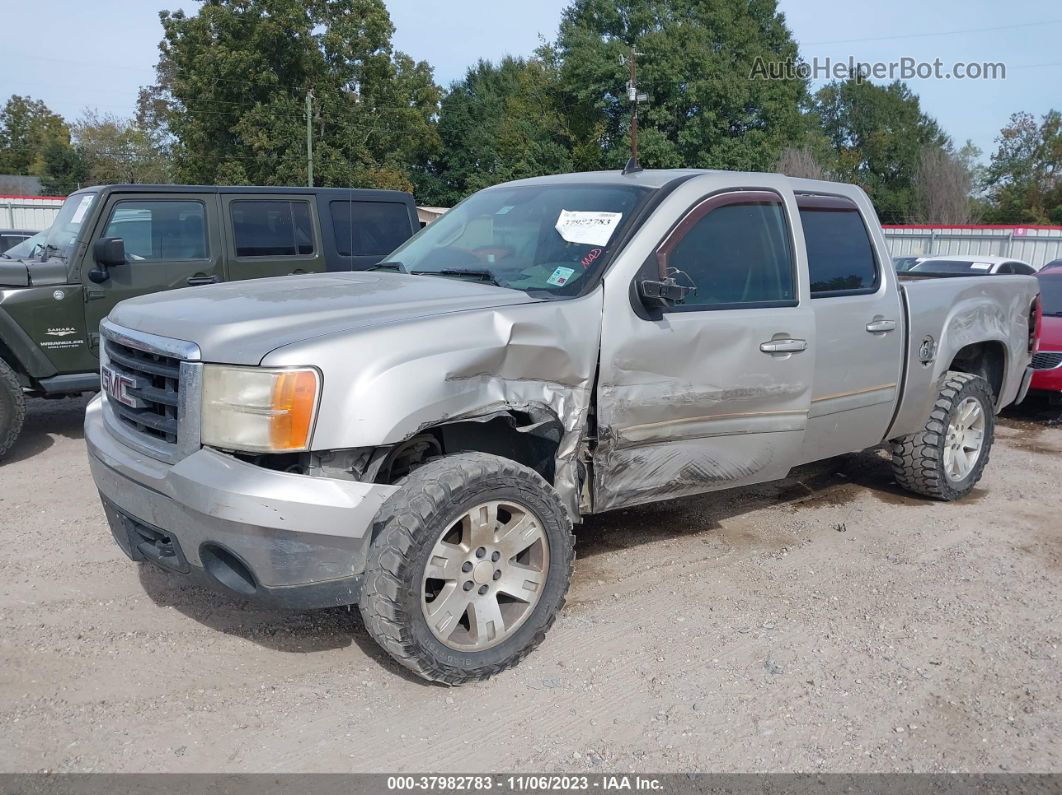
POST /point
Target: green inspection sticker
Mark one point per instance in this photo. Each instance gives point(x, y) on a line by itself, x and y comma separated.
point(560, 277)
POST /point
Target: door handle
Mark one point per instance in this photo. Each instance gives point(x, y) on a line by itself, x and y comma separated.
point(201, 278)
point(784, 346)
point(881, 326)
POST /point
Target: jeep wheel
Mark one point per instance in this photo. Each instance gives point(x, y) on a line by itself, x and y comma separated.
point(946, 459)
point(469, 568)
point(12, 407)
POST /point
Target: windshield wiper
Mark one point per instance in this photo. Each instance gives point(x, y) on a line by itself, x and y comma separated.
point(398, 267)
point(482, 273)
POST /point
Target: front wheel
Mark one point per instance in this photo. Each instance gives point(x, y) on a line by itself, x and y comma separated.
point(946, 459)
point(469, 567)
point(12, 407)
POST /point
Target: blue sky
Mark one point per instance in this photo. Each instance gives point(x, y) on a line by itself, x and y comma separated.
point(76, 54)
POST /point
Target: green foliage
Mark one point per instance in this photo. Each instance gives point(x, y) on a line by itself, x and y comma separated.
point(877, 135)
point(703, 111)
point(27, 127)
point(499, 123)
point(1024, 179)
point(118, 150)
point(234, 80)
point(63, 169)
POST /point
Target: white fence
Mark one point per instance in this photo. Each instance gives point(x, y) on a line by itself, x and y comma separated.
point(1036, 245)
point(29, 212)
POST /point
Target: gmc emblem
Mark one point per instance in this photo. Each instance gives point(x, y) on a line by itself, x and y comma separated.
point(117, 386)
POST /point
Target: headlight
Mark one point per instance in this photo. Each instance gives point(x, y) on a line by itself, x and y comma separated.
point(257, 409)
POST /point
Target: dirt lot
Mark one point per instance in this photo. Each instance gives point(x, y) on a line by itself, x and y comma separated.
point(826, 622)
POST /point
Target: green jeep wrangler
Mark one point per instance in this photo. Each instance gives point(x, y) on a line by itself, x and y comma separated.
point(114, 242)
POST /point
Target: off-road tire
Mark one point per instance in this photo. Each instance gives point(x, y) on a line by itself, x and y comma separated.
point(12, 407)
point(918, 458)
point(407, 527)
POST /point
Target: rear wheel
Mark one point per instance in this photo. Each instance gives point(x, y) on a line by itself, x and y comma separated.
point(946, 459)
point(469, 568)
point(12, 407)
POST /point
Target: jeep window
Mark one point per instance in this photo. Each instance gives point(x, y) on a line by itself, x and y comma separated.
point(270, 228)
point(736, 253)
point(62, 234)
point(369, 228)
point(548, 239)
point(841, 257)
point(159, 230)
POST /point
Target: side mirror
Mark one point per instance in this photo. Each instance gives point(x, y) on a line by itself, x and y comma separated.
point(109, 252)
point(662, 294)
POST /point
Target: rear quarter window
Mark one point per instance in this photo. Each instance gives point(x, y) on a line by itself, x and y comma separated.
point(365, 228)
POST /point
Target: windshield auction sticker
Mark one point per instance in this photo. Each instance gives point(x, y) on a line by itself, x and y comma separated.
point(587, 228)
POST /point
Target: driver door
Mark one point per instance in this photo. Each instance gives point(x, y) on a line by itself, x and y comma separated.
point(171, 240)
point(715, 392)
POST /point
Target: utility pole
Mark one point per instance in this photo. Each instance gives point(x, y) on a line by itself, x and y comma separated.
point(309, 137)
point(635, 98)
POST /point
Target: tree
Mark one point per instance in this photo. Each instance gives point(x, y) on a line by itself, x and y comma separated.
point(501, 122)
point(800, 161)
point(63, 169)
point(232, 86)
point(877, 134)
point(943, 185)
point(1024, 178)
point(27, 126)
point(117, 150)
point(696, 64)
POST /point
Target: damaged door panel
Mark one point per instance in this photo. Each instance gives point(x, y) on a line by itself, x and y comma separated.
point(715, 392)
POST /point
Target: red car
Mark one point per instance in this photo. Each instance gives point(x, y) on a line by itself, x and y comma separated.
point(1048, 359)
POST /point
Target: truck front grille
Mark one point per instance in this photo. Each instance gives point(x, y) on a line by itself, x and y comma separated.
point(1047, 360)
point(156, 385)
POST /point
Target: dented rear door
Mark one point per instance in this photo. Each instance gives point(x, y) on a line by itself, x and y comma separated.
point(714, 393)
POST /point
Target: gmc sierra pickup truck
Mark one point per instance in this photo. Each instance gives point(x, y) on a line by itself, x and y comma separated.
point(114, 242)
point(419, 439)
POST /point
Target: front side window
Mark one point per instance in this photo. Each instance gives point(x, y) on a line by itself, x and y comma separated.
point(736, 255)
point(159, 230)
point(271, 228)
point(369, 228)
point(840, 255)
point(550, 239)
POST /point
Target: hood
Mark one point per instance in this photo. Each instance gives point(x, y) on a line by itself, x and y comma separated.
point(240, 322)
point(32, 273)
point(1051, 333)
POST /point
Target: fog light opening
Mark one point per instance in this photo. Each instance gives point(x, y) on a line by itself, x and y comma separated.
point(227, 569)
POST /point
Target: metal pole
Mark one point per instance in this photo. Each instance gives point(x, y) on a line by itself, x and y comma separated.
point(634, 114)
point(309, 138)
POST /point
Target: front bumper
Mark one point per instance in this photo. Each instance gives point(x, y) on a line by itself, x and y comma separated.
point(279, 538)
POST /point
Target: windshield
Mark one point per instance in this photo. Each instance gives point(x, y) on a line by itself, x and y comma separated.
point(27, 248)
point(904, 263)
point(537, 238)
point(1051, 293)
point(953, 266)
point(62, 234)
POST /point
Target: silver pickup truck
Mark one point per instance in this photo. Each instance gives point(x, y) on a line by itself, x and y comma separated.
point(419, 439)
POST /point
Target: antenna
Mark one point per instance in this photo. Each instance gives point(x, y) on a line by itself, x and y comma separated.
point(634, 97)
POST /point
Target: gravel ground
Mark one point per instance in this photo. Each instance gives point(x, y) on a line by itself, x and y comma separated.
point(826, 622)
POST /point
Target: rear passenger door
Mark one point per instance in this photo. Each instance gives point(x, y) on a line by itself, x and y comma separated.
point(858, 330)
point(271, 235)
point(366, 231)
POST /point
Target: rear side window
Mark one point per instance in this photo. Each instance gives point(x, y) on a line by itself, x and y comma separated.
point(159, 230)
point(369, 228)
point(271, 228)
point(736, 255)
point(840, 256)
